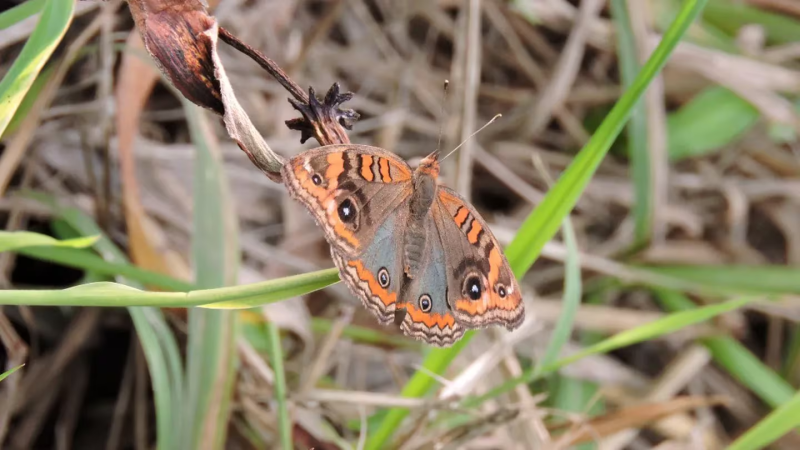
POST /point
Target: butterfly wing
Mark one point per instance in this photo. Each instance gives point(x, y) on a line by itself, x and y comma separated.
point(359, 196)
point(482, 289)
point(375, 275)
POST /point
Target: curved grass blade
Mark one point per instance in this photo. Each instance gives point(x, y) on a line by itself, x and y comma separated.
point(571, 298)
point(276, 359)
point(53, 23)
point(15, 240)
point(636, 130)
point(120, 295)
point(5, 374)
point(777, 423)
point(543, 223)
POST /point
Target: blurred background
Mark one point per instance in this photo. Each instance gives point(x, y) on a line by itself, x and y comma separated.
point(705, 175)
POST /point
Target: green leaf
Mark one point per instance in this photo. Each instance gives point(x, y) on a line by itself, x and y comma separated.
point(5, 374)
point(638, 148)
point(713, 119)
point(281, 392)
point(15, 240)
point(53, 23)
point(777, 423)
point(736, 280)
point(211, 347)
point(20, 12)
point(543, 223)
point(119, 295)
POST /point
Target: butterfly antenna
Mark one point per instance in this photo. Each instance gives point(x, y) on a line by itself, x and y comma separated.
point(473, 134)
point(441, 120)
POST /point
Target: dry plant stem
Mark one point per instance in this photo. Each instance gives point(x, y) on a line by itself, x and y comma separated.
point(508, 177)
point(105, 95)
point(30, 425)
point(320, 364)
point(47, 369)
point(321, 29)
point(16, 352)
point(269, 65)
point(683, 369)
point(536, 75)
point(73, 397)
point(123, 398)
point(566, 70)
point(472, 66)
point(17, 220)
point(325, 121)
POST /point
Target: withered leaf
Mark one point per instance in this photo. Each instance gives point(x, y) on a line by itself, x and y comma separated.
point(182, 39)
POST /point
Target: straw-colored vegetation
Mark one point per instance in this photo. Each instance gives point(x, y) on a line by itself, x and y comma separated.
point(162, 291)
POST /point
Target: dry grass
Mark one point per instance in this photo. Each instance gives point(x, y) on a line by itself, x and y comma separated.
point(550, 80)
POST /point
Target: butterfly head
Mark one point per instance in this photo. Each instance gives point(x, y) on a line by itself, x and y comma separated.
point(429, 166)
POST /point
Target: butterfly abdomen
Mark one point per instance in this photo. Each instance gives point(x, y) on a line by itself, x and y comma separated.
point(414, 250)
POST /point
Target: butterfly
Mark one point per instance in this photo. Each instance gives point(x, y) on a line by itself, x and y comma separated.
point(414, 252)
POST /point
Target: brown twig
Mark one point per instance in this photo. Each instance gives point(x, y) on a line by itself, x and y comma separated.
point(325, 121)
point(269, 65)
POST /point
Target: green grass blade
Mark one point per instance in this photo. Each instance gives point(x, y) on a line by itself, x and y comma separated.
point(211, 347)
point(701, 32)
point(276, 359)
point(713, 119)
point(20, 13)
point(235, 297)
point(5, 374)
point(734, 357)
point(119, 295)
point(638, 148)
point(54, 21)
point(571, 300)
point(730, 16)
point(779, 422)
point(15, 240)
point(736, 280)
point(791, 368)
point(543, 223)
